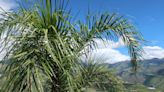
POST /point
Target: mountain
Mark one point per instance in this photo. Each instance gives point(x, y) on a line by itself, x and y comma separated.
point(150, 73)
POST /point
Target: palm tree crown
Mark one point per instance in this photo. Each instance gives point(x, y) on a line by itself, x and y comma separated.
point(43, 45)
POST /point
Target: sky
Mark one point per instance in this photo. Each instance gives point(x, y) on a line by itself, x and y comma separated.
point(146, 15)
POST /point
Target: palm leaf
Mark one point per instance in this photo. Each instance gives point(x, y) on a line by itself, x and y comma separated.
point(43, 46)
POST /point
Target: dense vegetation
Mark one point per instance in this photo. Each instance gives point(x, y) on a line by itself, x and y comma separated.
point(43, 45)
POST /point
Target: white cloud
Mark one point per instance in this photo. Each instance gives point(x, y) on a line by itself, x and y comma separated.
point(107, 51)
point(7, 4)
point(153, 52)
point(109, 43)
point(109, 55)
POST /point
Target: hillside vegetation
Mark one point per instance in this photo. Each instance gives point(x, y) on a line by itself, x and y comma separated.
point(150, 74)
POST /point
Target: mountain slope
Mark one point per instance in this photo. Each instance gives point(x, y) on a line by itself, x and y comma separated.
point(150, 73)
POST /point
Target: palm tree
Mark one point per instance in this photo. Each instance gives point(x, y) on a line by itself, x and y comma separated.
point(43, 45)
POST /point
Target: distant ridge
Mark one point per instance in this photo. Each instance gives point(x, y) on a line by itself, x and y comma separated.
point(150, 72)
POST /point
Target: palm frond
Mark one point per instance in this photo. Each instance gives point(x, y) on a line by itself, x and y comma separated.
point(113, 26)
point(43, 45)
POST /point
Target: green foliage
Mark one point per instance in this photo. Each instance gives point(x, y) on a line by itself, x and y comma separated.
point(43, 45)
point(96, 75)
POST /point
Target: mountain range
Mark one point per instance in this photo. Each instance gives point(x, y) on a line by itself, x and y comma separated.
point(150, 73)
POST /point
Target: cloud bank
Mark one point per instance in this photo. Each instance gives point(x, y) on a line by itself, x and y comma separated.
point(153, 52)
point(110, 55)
point(107, 50)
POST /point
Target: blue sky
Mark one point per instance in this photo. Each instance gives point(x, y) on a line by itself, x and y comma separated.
point(147, 16)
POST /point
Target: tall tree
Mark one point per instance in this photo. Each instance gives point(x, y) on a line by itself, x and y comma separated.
point(43, 44)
